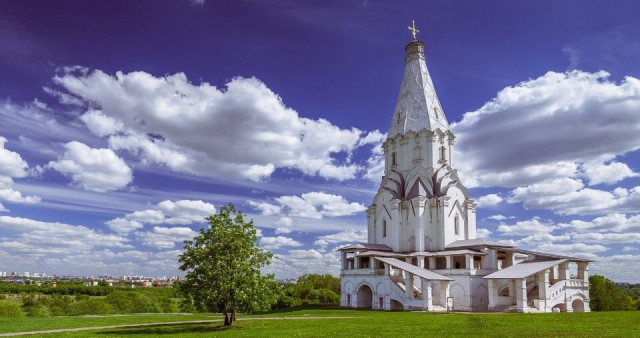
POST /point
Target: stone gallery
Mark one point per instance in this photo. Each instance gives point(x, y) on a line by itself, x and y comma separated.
point(422, 251)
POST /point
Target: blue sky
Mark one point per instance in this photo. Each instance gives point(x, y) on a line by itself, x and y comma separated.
point(123, 123)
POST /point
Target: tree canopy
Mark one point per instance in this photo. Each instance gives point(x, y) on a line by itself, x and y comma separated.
point(222, 266)
point(607, 296)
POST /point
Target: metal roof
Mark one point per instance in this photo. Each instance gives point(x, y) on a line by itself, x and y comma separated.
point(524, 269)
point(476, 242)
point(420, 272)
point(367, 246)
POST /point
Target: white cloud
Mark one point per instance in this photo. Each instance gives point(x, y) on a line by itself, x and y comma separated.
point(274, 243)
point(483, 233)
point(538, 119)
point(284, 225)
point(38, 238)
point(166, 238)
point(267, 209)
point(608, 238)
point(12, 166)
point(310, 205)
point(182, 212)
point(243, 131)
point(571, 249)
point(348, 236)
point(608, 223)
point(629, 249)
point(609, 173)
point(93, 169)
point(497, 217)
point(542, 238)
point(490, 200)
point(529, 227)
point(297, 262)
point(100, 124)
point(567, 197)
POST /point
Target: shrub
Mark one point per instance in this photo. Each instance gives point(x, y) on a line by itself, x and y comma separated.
point(8, 309)
point(90, 307)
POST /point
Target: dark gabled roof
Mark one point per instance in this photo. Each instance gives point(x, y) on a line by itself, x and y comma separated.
point(465, 243)
point(366, 246)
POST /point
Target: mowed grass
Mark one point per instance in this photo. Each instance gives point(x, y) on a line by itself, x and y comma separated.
point(317, 323)
point(19, 324)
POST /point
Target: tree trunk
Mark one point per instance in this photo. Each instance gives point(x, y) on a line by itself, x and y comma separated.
point(227, 319)
point(233, 314)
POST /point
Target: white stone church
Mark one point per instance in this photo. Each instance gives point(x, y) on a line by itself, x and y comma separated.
point(422, 251)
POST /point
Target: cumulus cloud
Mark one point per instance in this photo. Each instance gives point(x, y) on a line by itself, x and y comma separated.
point(539, 118)
point(241, 131)
point(529, 227)
point(608, 223)
point(482, 233)
point(490, 200)
point(311, 205)
point(274, 243)
point(39, 238)
point(568, 197)
point(294, 263)
point(93, 169)
point(348, 236)
point(182, 212)
point(12, 166)
point(284, 225)
point(608, 173)
point(166, 238)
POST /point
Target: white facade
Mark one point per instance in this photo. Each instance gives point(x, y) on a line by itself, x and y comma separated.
point(422, 251)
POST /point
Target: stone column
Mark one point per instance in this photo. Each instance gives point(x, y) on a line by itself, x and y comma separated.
point(432, 263)
point(583, 272)
point(543, 287)
point(371, 226)
point(386, 269)
point(421, 261)
point(356, 261)
point(421, 202)
point(444, 292)
point(493, 293)
point(396, 225)
point(426, 294)
point(343, 260)
point(448, 260)
point(521, 295)
point(408, 284)
point(563, 271)
point(491, 260)
point(468, 258)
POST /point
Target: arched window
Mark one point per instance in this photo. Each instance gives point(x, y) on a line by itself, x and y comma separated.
point(456, 225)
point(384, 228)
point(442, 153)
point(393, 159)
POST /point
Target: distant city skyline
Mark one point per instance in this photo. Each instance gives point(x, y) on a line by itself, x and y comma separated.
point(123, 124)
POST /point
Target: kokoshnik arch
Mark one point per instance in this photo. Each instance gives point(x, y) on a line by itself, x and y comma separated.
point(422, 252)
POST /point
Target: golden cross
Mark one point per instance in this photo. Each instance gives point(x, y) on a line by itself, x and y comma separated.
point(413, 29)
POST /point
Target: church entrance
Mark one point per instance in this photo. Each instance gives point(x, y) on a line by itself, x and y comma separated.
point(365, 297)
point(577, 305)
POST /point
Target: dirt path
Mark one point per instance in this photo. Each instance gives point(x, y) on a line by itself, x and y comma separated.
point(24, 333)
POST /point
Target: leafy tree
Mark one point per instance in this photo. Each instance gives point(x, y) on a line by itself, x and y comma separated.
point(223, 268)
point(607, 296)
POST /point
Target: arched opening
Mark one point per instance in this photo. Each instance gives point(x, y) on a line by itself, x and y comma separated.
point(577, 305)
point(365, 297)
point(559, 308)
point(396, 305)
point(456, 225)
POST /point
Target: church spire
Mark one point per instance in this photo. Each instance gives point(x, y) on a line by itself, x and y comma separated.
point(418, 106)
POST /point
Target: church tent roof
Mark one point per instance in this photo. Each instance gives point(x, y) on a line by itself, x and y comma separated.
point(524, 269)
point(420, 272)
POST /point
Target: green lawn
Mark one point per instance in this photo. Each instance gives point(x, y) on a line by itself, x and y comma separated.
point(363, 324)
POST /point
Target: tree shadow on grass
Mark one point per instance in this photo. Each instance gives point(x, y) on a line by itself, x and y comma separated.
point(160, 330)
